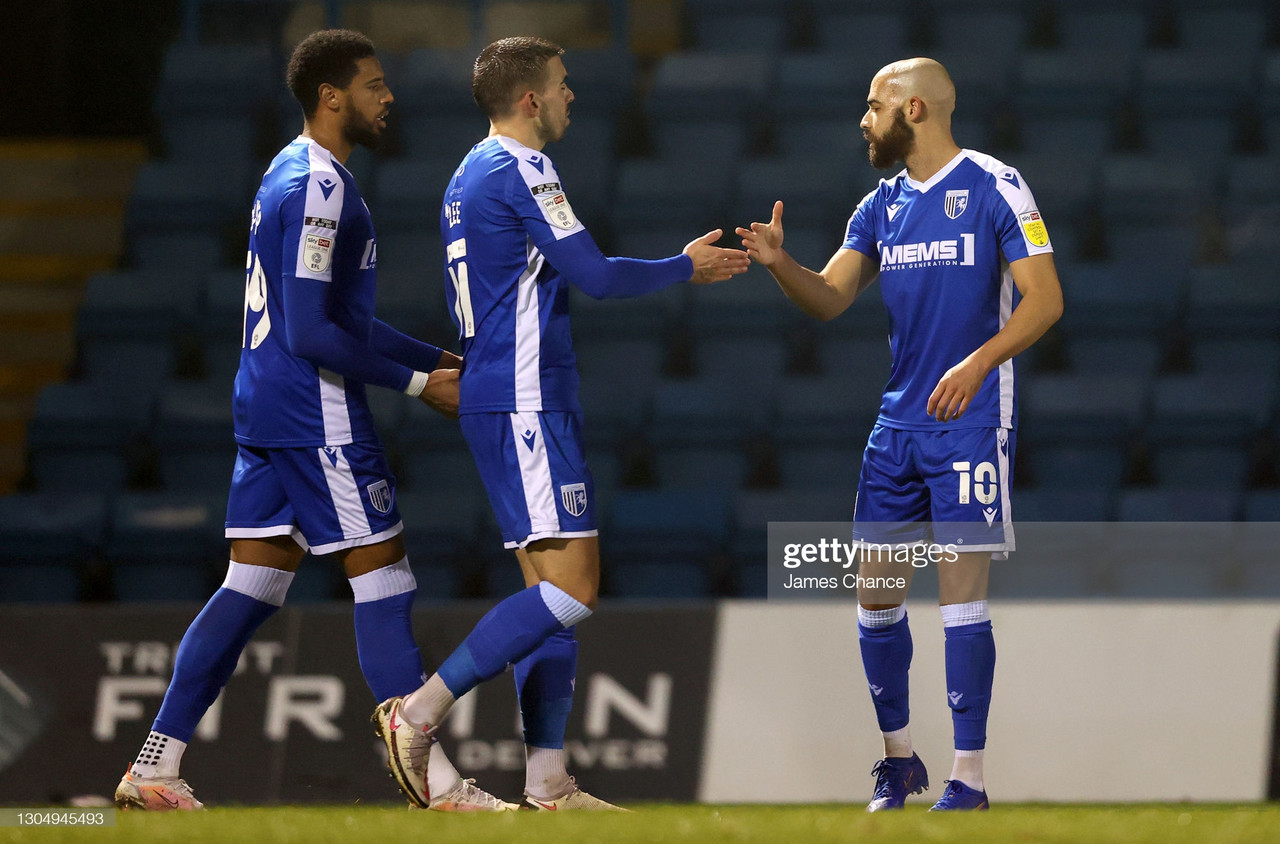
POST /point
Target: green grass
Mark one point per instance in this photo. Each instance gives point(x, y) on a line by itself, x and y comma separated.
point(1199, 823)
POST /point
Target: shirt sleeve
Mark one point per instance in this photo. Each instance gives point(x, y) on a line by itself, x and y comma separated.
point(310, 333)
point(540, 201)
point(1017, 221)
point(860, 234)
point(580, 261)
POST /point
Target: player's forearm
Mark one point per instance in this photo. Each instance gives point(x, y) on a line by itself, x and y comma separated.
point(580, 261)
point(404, 349)
point(314, 337)
point(808, 289)
point(1038, 310)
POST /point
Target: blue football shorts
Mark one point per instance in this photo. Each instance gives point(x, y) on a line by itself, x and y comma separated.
point(328, 498)
point(535, 472)
point(949, 487)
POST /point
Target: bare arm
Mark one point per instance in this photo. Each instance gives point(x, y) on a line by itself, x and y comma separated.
point(825, 294)
point(1041, 306)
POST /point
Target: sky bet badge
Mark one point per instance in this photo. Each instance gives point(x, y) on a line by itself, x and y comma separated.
point(1034, 228)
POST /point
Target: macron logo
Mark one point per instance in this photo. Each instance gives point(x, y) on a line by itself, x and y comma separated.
point(955, 697)
point(893, 210)
point(990, 513)
point(876, 690)
point(536, 161)
point(529, 437)
point(332, 454)
point(1009, 177)
point(326, 187)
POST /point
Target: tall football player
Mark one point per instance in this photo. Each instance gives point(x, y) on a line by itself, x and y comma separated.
point(311, 473)
point(967, 275)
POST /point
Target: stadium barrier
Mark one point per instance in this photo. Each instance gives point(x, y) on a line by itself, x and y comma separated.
point(729, 702)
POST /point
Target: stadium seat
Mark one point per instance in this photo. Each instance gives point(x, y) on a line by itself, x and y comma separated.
point(407, 196)
point(650, 526)
point(1209, 466)
point(1168, 248)
point(644, 187)
point(1108, 355)
point(806, 466)
point(1065, 186)
point(435, 81)
point(879, 33)
point(1049, 504)
point(754, 509)
point(186, 195)
point(985, 77)
point(823, 137)
point(614, 408)
point(764, 31)
point(138, 305)
point(701, 140)
point(603, 81)
point(1209, 409)
point(1183, 504)
point(1262, 506)
point(1271, 84)
point(709, 85)
point(1079, 409)
point(1208, 140)
point(1225, 356)
point(165, 546)
point(194, 436)
point(635, 362)
point(820, 85)
point(1234, 300)
point(702, 410)
point(38, 529)
point(1076, 135)
point(445, 138)
point(83, 436)
point(816, 191)
point(1079, 81)
point(1093, 466)
point(750, 305)
point(1240, 33)
point(1190, 82)
point(829, 410)
point(1141, 189)
point(1116, 31)
point(1131, 298)
point(760, 360)
point(208, 79)
point(222, 305)
point(1052, 560)
point(442, 472)
point(441, 520)
point(1002, 34)
point(177, 252)
point(701, 466)
point(649, 317)
point(212, 138)
point(318, 580)
point(666, 581)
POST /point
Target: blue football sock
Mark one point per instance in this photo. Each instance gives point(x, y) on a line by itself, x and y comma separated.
point(389, 656)
point(508, 633)
point(544, 685)
point(886, 659)
point(206, 657)
point(971, 664)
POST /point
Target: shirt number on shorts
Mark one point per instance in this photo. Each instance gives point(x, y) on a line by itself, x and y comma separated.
point(255, 299)
point(982, 481)
point(454, 253)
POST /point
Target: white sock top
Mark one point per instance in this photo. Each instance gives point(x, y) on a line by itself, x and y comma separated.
point(881, 618)
point(567, 609)
point(395, 579)
point(262, 583)
point(954, 615)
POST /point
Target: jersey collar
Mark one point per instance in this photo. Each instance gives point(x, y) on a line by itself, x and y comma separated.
point(924, 186)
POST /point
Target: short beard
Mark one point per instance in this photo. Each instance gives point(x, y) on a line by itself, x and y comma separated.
point(894, 145)
point(363, 135)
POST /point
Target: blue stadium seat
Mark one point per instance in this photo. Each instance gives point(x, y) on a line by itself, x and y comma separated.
point(445, 138)
point(131, 319)
point(165, 546)
point(1209, 140)
point(1190, 82)
point(411, 268)
point(811, 246)
point(1134, 298)
point(436, 582)
point(177, 252)
point(701, 466)
point(586, 161)
point(764, 31)
point(652, 526)
point(1116, 31)
point(604, 81)
point(635, 362)
point(1052, 560)
point(820, 85)
point(701, 140)
point(750, 581)
point(984, 77)
point(1141, 189)
point(818, 411)
point(38, 529)
point(222, 305)
point(185, 195)
point(389, 410)
point(1081, 80)
point(1271, 84)
point(760, 360)
point(407, 194)
point(825, 137)
point(667, 580)
point(206, 79)
point(503, 577)
point(710, 85)
point(751, 305)
point(1074, 135)
point(1050, 504)
point(1114, 355)
point(1094, 466)
point(1210, 409)
point(318, 580)
point(1225, 356)
point(1207, 466)
point(1240, 33)
point(441, 472)
point(805, 466)
point(701, 410)
point(1065, 186)
point(1183, 504)
point(614, 408)
point(861, 363)
point(1234, 300)
point(1002, 34)
point(1173, 246)
point(436, 81)
point(83, 435)
point(643, 195)
point(441, 518)
point(1083, 408)
point(194, 436)
point(211, 138)
point(815, 191)
point(878, 33)
point(649, 316)
point(424, 430)
point(754, 509)
point(1252, 182)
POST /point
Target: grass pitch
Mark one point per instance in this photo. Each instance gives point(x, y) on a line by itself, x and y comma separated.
point(1199, 823)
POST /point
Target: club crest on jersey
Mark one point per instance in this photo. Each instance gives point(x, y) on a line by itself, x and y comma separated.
point(317, 252)
point(558, 211)
point(574, 498)
point(380, 496)
point(955, 203)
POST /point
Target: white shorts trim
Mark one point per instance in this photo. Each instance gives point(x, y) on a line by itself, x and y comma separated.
point(359, 541)
point(550, 534)
point(289, 530)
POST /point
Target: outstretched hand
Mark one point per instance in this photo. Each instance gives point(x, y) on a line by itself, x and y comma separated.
point(763, 241)
point(712, 263)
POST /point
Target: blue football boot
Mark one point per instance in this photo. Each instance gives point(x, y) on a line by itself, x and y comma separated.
point(960, 797)
point(896, 777)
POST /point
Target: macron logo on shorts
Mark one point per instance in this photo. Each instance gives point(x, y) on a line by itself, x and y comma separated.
point(529, 437)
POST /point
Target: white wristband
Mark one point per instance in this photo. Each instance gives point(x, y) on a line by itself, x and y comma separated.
point(417, 384)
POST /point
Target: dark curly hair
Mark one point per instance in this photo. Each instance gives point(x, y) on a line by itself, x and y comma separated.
point(507, 68)
point(329, 55)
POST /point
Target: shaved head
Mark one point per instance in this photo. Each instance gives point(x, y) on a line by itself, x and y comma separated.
point(919, 77)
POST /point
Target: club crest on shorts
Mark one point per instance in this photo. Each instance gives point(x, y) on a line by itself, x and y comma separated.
point(380, 496)
point(574, 498)
point(955, 203)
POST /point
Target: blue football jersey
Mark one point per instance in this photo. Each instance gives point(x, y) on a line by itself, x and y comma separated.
point(310, 222)
point(503, 204)
point(944, 247)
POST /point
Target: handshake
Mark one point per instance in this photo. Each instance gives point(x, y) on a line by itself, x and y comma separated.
point(762, 242)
